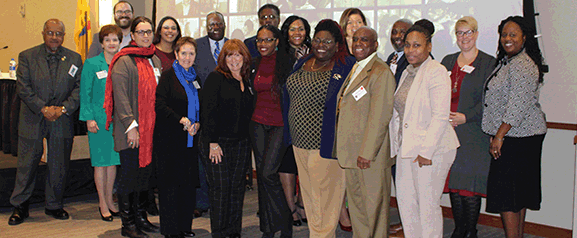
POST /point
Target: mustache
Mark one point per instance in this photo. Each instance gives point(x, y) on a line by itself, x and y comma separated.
point(127, 18)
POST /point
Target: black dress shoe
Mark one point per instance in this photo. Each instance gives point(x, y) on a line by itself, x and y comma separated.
point(188, 234)
point(57, 213)
point(173, 236)
point(105, 218)
point(18, 215)
point(235, 235)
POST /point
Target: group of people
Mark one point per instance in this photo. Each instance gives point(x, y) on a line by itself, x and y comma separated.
point(179, 113)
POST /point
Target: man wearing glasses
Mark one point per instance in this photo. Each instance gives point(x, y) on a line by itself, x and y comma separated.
point(268, 14)
point(123, 16)
point(48, 82)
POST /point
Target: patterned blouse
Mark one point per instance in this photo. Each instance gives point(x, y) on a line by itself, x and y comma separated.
point(307, 92)
point(401, 96)
point(512, 97)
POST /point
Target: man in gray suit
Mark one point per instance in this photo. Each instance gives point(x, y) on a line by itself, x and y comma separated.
point(209, 46)
point(48, 82)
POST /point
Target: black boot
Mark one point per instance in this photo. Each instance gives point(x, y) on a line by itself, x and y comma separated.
point(151, 206)
point(141, 218)
point(472, 209)
point(457, 207)
point(129, 228)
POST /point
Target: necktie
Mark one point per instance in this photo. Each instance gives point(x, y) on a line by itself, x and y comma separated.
point(216, 52)
point(346, 85)
point(394, 59)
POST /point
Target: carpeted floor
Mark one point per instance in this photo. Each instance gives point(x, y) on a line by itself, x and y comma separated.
point(85, 222)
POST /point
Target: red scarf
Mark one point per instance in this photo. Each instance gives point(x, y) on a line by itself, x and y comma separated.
point(146, 97)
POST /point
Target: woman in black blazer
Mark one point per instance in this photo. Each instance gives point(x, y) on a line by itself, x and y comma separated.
point(467, 180)
point(177, 115)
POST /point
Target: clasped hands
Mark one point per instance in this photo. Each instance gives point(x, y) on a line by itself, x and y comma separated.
point(52, 113)
point(189, 126)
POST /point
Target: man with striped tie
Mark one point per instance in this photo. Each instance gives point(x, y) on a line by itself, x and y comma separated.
point(209, 46)
point(396, 60)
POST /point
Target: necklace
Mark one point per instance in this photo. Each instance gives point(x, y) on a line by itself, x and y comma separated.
point(313, 64)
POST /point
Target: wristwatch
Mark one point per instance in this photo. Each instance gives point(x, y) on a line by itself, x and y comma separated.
point(64, 111)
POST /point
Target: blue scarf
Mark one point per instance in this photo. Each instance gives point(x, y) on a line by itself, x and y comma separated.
point(186, 78)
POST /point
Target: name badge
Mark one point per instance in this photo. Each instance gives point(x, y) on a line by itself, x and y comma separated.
point(359, 93)
point(467, 69)
point(196, 85)
point(102, 74)
point(156, 72)
point(393, 68)
point(73, 70)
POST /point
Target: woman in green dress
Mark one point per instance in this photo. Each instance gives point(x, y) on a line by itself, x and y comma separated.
point(102, 155)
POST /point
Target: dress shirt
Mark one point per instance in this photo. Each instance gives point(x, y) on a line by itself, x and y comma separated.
point(360, 67)
point(213, 46)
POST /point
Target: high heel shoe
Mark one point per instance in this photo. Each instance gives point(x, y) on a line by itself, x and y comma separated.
point(114, 214)
point(105, 218)
point(345, 228)
point(300, 216)
point(297, 222)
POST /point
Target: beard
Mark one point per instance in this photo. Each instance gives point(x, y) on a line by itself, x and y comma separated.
point(123, 24)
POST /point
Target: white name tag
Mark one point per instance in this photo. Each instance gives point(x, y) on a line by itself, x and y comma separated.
point(467, 69)
point(393, 68)
point(156, 72)
point(72, 71)
point(359, 93)
point(196, 85)
point(102, 74)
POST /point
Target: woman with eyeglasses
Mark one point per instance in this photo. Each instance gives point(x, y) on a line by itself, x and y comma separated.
point(467, 180)
point(167, 33)
point(266, 125)
point(129, 103)
point(310, 98)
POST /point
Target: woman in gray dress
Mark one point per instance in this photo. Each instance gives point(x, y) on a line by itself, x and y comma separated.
point(467, 180)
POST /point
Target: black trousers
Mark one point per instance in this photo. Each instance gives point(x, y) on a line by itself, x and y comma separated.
point(226, 185)
point(176, 191)
point(268, 149)
point(132, 178)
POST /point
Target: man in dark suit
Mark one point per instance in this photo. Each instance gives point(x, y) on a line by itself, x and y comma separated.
point(123, 15)
point(48, 82)
point(209, 46)
point(397, 60)
point(268, 14)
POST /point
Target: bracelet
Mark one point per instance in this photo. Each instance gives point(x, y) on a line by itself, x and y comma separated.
point(215, 148)
point(500, 139)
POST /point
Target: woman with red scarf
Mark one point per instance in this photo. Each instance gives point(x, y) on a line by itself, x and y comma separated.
point(130, 97)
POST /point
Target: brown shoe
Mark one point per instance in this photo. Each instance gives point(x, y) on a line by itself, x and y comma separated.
point(395, 228)
point(399, 233)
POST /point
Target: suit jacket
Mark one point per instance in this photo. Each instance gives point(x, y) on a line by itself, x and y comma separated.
point(204, 63)
point(362, 126)
point(338, 75)
point(402, 64)
point(426, 128)
point(251, 45)
point(36, 89)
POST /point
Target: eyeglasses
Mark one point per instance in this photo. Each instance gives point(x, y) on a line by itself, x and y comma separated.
point(125, 12)
point(215, 24)
point(317, 41)
point(363, 39)
point(169, 28)
point(143, 32)
point(55, 33)
point(464, 33)
point(265, 17)
point(265, 40)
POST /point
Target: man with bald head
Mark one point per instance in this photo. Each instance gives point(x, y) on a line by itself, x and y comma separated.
point(48, 82)
point(209, 46)
point(365, 108)
point(397, 60)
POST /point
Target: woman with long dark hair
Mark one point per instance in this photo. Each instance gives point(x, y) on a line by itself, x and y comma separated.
point(271, 70)
point(513, 118)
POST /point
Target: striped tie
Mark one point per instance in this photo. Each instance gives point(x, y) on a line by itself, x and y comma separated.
point(216, 52)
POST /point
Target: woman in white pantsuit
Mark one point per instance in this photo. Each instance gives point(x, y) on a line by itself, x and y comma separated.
point(421, 137)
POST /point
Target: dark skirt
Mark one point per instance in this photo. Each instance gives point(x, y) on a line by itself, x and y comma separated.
point(514, 179)
point(288, 164)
